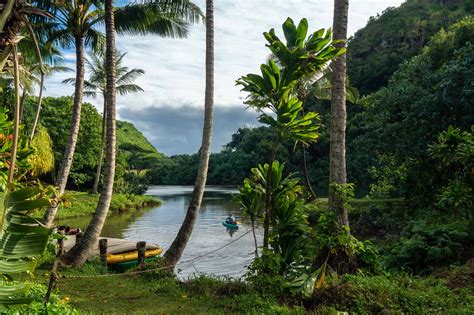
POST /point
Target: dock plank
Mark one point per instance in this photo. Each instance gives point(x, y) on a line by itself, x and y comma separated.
point(114, 245)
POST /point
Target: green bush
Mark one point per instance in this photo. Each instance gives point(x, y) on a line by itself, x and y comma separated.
point(424, 247)
point(393, 294)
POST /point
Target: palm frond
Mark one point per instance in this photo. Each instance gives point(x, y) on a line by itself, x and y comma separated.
point(130, 76)
point(166, 18)
point(128, 88)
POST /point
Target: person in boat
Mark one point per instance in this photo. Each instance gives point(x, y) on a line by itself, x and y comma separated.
point(231, 219)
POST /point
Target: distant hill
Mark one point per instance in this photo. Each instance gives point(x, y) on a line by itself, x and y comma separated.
point(128, 134)
point(377, 50)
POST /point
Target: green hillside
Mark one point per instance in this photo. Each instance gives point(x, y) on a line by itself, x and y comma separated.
point(377, 50)
point(128, 134)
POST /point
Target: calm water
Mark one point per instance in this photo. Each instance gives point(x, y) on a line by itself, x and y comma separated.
point(160, 225)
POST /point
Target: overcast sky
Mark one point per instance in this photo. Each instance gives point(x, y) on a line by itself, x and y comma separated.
point(170, 111)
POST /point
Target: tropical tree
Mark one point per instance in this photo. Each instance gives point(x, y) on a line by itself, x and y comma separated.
point(337, 151)
point(96, 85)
point(275, 90)
point(75, 25)
point(81, 251)
point(173, 254)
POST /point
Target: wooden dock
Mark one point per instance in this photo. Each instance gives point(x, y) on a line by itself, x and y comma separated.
point(114, 245)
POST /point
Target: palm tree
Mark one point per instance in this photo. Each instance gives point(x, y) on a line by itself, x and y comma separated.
point(173, 254)
point(16, 115)
point(75, 22)
point(81, 251)
point(96, 85)
point(337, 152)
point(74, 26)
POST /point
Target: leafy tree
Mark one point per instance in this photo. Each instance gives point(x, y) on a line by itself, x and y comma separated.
point(56, 114)
point(274, 90)
point(42, 160)
point(453, 154)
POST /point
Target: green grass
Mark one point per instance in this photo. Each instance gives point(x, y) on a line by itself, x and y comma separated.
point(446, 293)
point(155, 294)
point(84, 204)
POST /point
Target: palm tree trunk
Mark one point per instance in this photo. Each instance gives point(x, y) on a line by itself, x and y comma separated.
point(309, 187)
point(173, 254)
point(38, 109)
point(254, 237)
point(16, 119)
point(337, 154)
point(22, 105)
point(41, 86)
point(82, 251)
point(75, 123)
point(95, 188)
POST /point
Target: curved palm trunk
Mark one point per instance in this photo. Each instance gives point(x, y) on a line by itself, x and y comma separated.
point(16, 119)
point(95, 188)
point(82, 251)
point(38, 110)
point(75, 123)
point(41, 86)
point(337, 153)
point(173, 254)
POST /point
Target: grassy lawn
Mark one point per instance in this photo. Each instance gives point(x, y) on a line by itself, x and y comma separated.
point(155, 294)
point(83, 204)
point(449, 293)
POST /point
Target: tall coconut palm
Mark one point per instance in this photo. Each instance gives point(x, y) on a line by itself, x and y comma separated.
point(81, 251)
point(75, 26)
point(173, 254)
point(96, 86)
point(337, 152)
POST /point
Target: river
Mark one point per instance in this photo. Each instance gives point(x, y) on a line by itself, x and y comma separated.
point(161, 224)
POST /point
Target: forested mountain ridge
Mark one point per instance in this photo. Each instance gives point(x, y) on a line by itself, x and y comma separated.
point(377, 50)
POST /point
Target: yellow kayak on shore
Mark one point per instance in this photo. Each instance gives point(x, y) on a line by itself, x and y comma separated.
point(133, 255)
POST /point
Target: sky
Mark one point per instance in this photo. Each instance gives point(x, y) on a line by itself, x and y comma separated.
point(170, 110)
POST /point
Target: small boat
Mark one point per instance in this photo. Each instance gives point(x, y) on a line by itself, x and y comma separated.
point(229, 225)
point(130, 256)
point(126, 265)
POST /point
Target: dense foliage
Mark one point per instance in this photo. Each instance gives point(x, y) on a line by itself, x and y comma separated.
point(133, 148)
point(377, 50)
point(427, 95)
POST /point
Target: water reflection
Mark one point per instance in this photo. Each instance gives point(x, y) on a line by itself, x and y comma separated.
point(160, 225)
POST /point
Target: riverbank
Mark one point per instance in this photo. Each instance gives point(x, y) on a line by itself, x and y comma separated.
point(84, 204)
